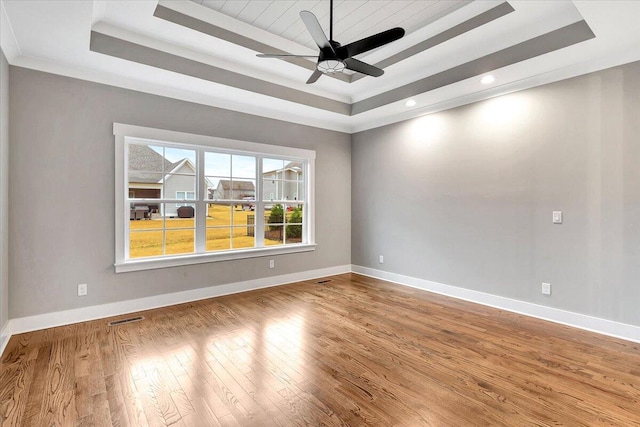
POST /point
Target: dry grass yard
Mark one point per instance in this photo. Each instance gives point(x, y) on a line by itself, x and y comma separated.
point(226, 229)
point(353, 351)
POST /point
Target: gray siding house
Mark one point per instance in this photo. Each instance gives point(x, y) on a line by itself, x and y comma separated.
point(179, 183)
point(284, 184)
point(233, 190)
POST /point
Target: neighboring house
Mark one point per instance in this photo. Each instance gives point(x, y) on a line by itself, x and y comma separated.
point(233, 190)
point(142, 184)
point(179, 184)
point(284, 184)
point(145, 184)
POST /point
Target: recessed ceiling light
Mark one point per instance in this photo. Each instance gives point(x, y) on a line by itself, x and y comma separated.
point(487, 80)
point(410, 103)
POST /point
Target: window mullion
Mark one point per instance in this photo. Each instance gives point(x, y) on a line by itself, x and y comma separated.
point(201, 205)
point(258, 230)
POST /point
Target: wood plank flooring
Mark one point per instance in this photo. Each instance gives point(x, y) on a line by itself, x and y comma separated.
point(353, 351)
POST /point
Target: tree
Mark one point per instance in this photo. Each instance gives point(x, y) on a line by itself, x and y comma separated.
point(276, 217)
point(295, 231)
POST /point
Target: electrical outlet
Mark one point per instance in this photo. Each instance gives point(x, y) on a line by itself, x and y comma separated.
point(546, 289)
point(82, 289)
point(381, 259)
point(272, 263)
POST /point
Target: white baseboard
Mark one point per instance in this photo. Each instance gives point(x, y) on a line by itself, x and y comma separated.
point(4, 338)
point(581, 321)
point(67, 317)
point(60, 318)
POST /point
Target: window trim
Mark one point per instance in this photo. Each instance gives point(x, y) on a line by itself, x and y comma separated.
point(122, 131)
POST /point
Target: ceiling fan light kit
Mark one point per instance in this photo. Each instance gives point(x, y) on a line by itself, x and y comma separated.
point(335, 58)
point(331, 66)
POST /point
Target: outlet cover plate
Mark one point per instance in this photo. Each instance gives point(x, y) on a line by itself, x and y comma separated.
point(82, 289)
point(546, 289)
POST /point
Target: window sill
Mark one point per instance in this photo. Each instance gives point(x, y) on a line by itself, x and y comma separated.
point(177, 261)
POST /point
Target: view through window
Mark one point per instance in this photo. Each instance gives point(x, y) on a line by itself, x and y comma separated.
point(185, 199)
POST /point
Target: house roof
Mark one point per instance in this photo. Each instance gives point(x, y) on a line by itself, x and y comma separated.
point(143, 160)
point(296, 166)
point(237, 185)
point(293, 166)
point(175, 167)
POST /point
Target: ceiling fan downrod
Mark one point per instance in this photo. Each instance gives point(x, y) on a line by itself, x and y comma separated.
point(331, 20)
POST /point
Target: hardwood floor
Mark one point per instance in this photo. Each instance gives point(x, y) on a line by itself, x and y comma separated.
point(352, 351)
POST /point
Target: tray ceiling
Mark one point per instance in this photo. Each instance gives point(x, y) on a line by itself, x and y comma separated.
point(204, 51)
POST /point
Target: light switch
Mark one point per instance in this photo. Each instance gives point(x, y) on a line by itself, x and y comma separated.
point(557, 217)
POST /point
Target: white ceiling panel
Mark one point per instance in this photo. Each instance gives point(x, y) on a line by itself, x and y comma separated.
point(433, 13)
point(290, 16)
point(272, 13)
point(254, 9)
point(211, 4)
point(236, 7)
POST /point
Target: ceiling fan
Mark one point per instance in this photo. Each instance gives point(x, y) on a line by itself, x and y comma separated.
point(333, 57)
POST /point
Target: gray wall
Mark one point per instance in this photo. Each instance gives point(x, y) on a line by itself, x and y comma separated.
point(465, 197)
point(4, 188)
point(61, 203)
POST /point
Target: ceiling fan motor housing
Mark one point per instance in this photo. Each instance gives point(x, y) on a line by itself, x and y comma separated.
point(329, 60)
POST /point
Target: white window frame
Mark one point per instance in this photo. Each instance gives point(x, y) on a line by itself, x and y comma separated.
point(124, 132)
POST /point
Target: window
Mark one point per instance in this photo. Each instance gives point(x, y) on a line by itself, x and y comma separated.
point(245, 199)
point(184, 195)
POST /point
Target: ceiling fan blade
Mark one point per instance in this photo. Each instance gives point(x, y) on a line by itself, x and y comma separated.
point(371, 42)
point(314, 28)
point(314, 77)
point(362, 67)
point(283, 55)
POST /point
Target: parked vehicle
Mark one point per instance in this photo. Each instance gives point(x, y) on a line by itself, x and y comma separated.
point(248, 203)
